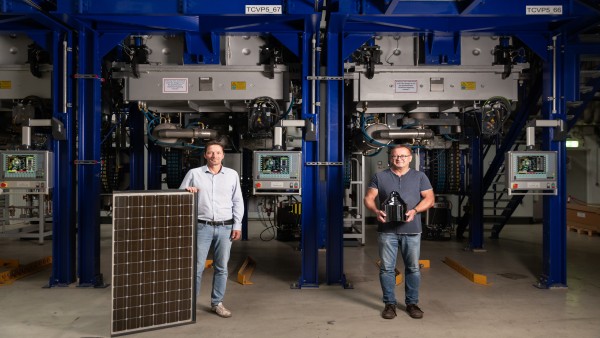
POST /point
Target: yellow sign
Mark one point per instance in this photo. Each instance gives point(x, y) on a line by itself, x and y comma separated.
point(238, 85)
point(468, 85)
point(5, 84)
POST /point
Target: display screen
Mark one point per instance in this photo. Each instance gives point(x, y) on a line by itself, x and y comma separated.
point(531, 164)
point(275, 164)
point(16, 163)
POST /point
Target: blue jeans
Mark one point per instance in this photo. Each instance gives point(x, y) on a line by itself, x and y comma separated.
point(410, 249)
point(219, 236)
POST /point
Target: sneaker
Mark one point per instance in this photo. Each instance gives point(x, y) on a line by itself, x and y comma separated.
point(389, 312)
point(414, 311)
point(221, 310)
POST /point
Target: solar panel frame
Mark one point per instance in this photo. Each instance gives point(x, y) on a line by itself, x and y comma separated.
point(153, 260)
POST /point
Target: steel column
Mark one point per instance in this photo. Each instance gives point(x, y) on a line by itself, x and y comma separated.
point(136, 135)
point(335, 153)
point(154, 163)
point(555, 213)
point(476, 198)
point(88, 187)
point(310, 184)
point(63, 194)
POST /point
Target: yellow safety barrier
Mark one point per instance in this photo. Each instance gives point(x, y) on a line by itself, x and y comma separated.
point(473, 277)
point(208, 264)
point(398, 273)
point(246, 271)
point(17, 271)
point(424, 263)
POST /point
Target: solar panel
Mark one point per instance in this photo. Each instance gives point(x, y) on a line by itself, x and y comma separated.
point(153, 260)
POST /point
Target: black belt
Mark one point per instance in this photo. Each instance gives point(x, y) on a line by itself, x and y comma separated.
point(227, 222)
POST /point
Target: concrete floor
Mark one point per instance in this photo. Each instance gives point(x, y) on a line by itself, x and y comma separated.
point(454, 307)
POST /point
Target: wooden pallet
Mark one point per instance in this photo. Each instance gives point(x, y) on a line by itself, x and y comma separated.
point(583, 230)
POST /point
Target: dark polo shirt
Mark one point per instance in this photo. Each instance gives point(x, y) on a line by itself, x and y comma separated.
point(409, 186)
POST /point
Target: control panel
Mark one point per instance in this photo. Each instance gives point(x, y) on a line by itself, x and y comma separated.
point(277, 173)
point(26, 169)
point(531, 173)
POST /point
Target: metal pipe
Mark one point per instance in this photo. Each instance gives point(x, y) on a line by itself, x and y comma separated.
point(187, 133)
point(277, 137)
point(26, 136)
point(313, 87)
point(403, 134)
point(64, 84)
point(530, 137)
point(554, 74)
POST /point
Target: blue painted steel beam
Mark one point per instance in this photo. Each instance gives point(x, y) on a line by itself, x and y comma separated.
point(88, 187)
point(476, 198)
point(136, 149)
point(495, 25)
point(555, 207)
point(63, 194)
point(335, 153)
point(352, 42)
point(181, 7)
point(309, 276)
point(488, 8)
point(154, 164)
point(22, 7)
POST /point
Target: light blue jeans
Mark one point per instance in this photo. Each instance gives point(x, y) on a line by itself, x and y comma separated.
point(219, 237)
point(410, 249)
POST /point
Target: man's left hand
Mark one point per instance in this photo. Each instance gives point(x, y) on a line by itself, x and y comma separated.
point(236, 234)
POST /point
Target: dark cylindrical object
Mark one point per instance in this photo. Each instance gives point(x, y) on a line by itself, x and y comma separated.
point(394, 208)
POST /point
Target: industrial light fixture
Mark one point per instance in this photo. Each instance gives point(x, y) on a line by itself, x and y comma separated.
point(572, 143)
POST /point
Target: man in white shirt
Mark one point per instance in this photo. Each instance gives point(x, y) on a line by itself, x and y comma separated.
point(220, 213)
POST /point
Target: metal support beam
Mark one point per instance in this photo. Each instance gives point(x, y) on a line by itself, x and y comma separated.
point(309, 276)
point(335, 153)
point(88, 188)
point(476, 199)
point(136, 135)
point(63, 194)
point(555, 213)
point(154, 181)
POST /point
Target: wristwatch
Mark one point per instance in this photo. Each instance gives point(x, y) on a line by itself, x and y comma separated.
point(415, 209)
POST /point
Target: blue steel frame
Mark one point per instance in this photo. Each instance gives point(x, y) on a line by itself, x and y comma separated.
point(103, 25)
point(54, 37)
point(440, 23)
point(555, 207)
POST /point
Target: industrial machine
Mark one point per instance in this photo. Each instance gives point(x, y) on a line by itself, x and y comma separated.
point(28, 175)
point(304, 98)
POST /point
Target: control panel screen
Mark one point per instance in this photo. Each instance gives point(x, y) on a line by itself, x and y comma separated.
point(531, 165)
point(278, 165)
point(20, 165)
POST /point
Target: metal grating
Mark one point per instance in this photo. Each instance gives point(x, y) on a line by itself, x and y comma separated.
point(153, 260)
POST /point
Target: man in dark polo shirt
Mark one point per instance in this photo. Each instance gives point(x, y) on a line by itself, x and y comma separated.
point(416, 191)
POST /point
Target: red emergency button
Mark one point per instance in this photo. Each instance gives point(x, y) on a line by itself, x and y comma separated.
point(3, 185)
point(258, 185)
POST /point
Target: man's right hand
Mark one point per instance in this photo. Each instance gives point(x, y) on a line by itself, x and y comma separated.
point(192, 189)
point(381, 215)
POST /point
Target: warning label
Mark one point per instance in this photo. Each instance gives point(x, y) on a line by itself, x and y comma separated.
point(405, 86)
point(173, 85)
point(468, 85)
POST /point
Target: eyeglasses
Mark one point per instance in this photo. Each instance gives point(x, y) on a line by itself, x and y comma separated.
point(402, 157)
